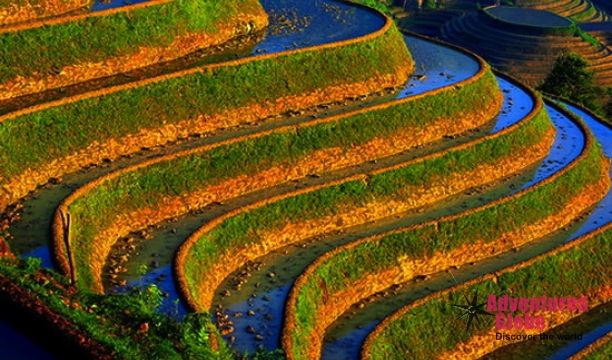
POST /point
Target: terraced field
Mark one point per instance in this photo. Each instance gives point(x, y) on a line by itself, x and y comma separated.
point(579, 10)
point(526, 50)
point(327, 188)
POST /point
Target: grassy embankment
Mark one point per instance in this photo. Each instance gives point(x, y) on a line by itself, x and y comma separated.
point(400, 123)
point(43, 143)
point(27, 10)
point(45, 130)
point(199, 258)
point(92, 38)
point(339, 273)
point(583, 269)
point(603, 351)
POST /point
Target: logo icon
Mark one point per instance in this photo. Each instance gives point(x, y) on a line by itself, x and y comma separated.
point(472, 309)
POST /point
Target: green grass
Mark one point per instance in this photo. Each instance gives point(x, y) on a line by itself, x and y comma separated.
point(381, 5)
point(350, 265)
point(581, 267)
point(97, 38)
point(585, 14)
point(115, 320)
point(36, 139)
point(587, 37)
point(243, 229)
point(603, 352)
point(148, 186)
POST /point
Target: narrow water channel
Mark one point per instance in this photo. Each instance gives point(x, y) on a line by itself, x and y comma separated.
point(100, 5)
point(578, 345)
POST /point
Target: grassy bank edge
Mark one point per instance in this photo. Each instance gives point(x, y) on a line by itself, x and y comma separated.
point(114, 33)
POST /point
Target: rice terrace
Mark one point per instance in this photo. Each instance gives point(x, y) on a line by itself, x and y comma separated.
point(305, 179)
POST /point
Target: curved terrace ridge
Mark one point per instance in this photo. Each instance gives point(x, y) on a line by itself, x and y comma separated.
point(357, 88)
point(336, 304)
point(597, 224)
point(294, 259)
point(596, 292)
point(185, 248)
point(11, 13)
point(437, 190)
point(117, 40)
point(349, 334)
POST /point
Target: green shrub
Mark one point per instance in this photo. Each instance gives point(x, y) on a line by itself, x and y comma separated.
point(117, 322)
point(570, 78)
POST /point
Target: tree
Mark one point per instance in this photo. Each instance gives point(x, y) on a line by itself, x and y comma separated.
point(571, 78)
point(430, 4)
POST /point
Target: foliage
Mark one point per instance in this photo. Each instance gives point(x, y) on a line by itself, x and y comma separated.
point(262, 354)
point(587, 37)
point(430, 4)
point(381, 5)
point(129, 324)
point(570, 78)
